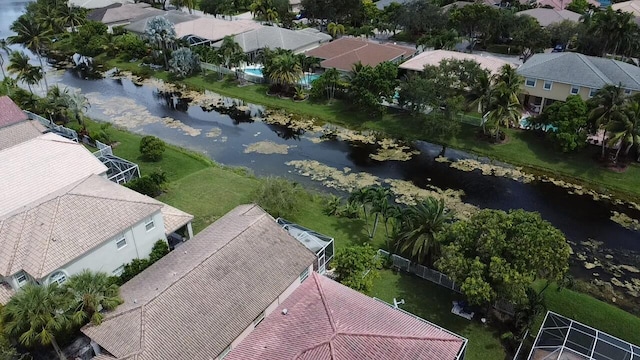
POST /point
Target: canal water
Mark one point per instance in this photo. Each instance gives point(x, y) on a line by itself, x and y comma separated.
point(596, 239)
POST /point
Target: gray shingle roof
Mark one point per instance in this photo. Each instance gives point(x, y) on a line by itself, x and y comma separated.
point(578, 69)
point(274, 37)
point(175, 17)
point(195, 301)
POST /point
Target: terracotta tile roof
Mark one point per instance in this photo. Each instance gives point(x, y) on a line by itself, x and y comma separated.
point(326, 320)
point(10, 113)
point(69, 223)
point(36, 168)
point(435, 57)
point(195, 301)
point(343, 53)
point(18, 133)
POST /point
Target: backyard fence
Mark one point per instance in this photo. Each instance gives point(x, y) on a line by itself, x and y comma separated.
point(470, 119)
point(60, 130)
point(400, 263)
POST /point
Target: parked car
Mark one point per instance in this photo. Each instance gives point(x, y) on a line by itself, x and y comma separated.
point(559, 48)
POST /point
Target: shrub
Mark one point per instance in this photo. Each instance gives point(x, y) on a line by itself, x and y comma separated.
point(131, 46)
point(184, 62)
point(136, 266)
point(280, 197)
point(357, 267)
point(150, 185)
point(160, 249)
point(102, 134)
point(152, 148)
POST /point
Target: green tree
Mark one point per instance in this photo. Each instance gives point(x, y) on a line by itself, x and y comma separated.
point(419, 227)
point(92, 293)
point(606, 104)
point(570, 120)
point(563, 32)
point(231, 53)
point(370, 85)
point(162, 33)
point(280, 197)
point(497, 255)
point(285, 70)
point(356, 267)
point(327, 85)
point(4, 48)
point(391, 15)
point(152, 148)
point(624, 128)
point(363, 198)
point(474, 21)
point(55, 103)
point(184, 62)
point(529, 37)
point(71, 16)
point(36, 314)
point(19, 66)
point(77, 103)
point(578, 6)
point(32, 35)
point(504, 107)
point(335, 30)
point(422, 17)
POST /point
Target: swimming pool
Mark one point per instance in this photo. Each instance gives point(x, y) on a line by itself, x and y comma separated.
point(524, 124)
point(306, 79)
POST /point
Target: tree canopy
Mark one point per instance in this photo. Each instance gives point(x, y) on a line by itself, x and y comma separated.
point(356, 267)
point(497, 255)
point(570, 121)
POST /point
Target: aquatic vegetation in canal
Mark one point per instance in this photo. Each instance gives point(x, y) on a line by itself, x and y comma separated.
point(625, 221)
point(214, 132)
point(267, 147)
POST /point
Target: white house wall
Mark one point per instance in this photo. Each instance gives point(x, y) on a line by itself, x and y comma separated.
point(107, 257)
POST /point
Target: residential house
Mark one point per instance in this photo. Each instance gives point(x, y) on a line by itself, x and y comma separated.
point(460, 4)
point(560, 338)
point(546, 17)
point(325, 320)
point(203, 300)
point(554, 76)
point(555, 4)
point(15, 126)
point(632, 6)
point(435, 57)
point(272, 37)
point(119, 14)
point(97, 4)
point(139, 25)
point(343, 53)
point(60, 214)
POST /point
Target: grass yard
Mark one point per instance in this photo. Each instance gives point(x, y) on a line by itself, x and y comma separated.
point(433, 303)
point(523, 148)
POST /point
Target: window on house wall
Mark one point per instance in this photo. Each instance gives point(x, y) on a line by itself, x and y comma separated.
point(530, 82)
point(118, 271)
point(120, 243)
point(548, 85)
point(304, 275)
point(575, 89)
point(592, 92)
point(259, 319)
point(21, 278)
point(58, 277)
point(224, 353)
point(149, 225)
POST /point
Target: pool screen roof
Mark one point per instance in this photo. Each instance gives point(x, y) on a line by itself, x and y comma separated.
point(563, 338)
point(311, 239)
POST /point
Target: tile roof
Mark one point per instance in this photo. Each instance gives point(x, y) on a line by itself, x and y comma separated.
point(578, 69)
point(275, 37)
point(214, 29)
point(326, 320)
point(546, 17)
point(343, 53)
point(69, 223)
point(95, 4)
point(435, 57)
point(139, 24)
point(6, 292)
point(10, 113)
point(41, 166)
point(632, 6)
point(195, 301)
point(126, 13)
point(18, 133)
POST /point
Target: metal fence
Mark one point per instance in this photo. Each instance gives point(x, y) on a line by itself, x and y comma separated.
point(437, 277)
point(60, 130)
point(421, 271)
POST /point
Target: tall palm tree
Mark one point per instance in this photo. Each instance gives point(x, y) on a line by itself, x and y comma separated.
point(31, 34)
point(271, 15)
point(504, 105)
point(608, 102)
point(19, 66)
point(37, 314)
point(420, 225)
point(231, 52)
point(56, 103)
point(362, 197)
point(479, 95)
point(624, 128)
point(4, 48)
point(71, 15)
point(92, 293)
point(77, 103)
point(335, 30)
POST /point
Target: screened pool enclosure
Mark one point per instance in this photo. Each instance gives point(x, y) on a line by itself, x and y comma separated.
point(561, 338)
point(321, 245)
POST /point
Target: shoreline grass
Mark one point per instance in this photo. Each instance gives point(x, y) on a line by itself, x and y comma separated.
point(524, 148)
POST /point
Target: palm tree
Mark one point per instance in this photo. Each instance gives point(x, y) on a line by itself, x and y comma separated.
point(161, 31)
point(608, 101)
point(92, 293)
point(335, 30)
point(420, 225)
point(71, 15)
point(4, 47)
point(624, 128)
point(55, 103)
point(19, 65)
point(331, 79)
point(363, 199)
point(271, 15)
point(36, 314)
point(479, 95)
point(77, 104)
point(31, 34)
point(504, 105)
point(285, 70)
point(379, 197)
point(231, 52)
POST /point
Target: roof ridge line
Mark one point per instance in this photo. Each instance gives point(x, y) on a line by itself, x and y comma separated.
point(50, 233)
point(324, 303)
point(618, 64)
point(594, 68)
point(15, 246)
point(203, 260)
point(157, 203)
point(407, 337)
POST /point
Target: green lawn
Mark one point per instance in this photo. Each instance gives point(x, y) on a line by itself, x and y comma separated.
point(523, 148)
point(433, 303)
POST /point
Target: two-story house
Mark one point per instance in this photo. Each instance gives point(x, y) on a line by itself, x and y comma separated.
point(555, 76)
point(60, 214)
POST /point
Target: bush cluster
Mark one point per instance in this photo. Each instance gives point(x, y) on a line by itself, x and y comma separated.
point(150, 185)
point(135, 267)
point(152, 148)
